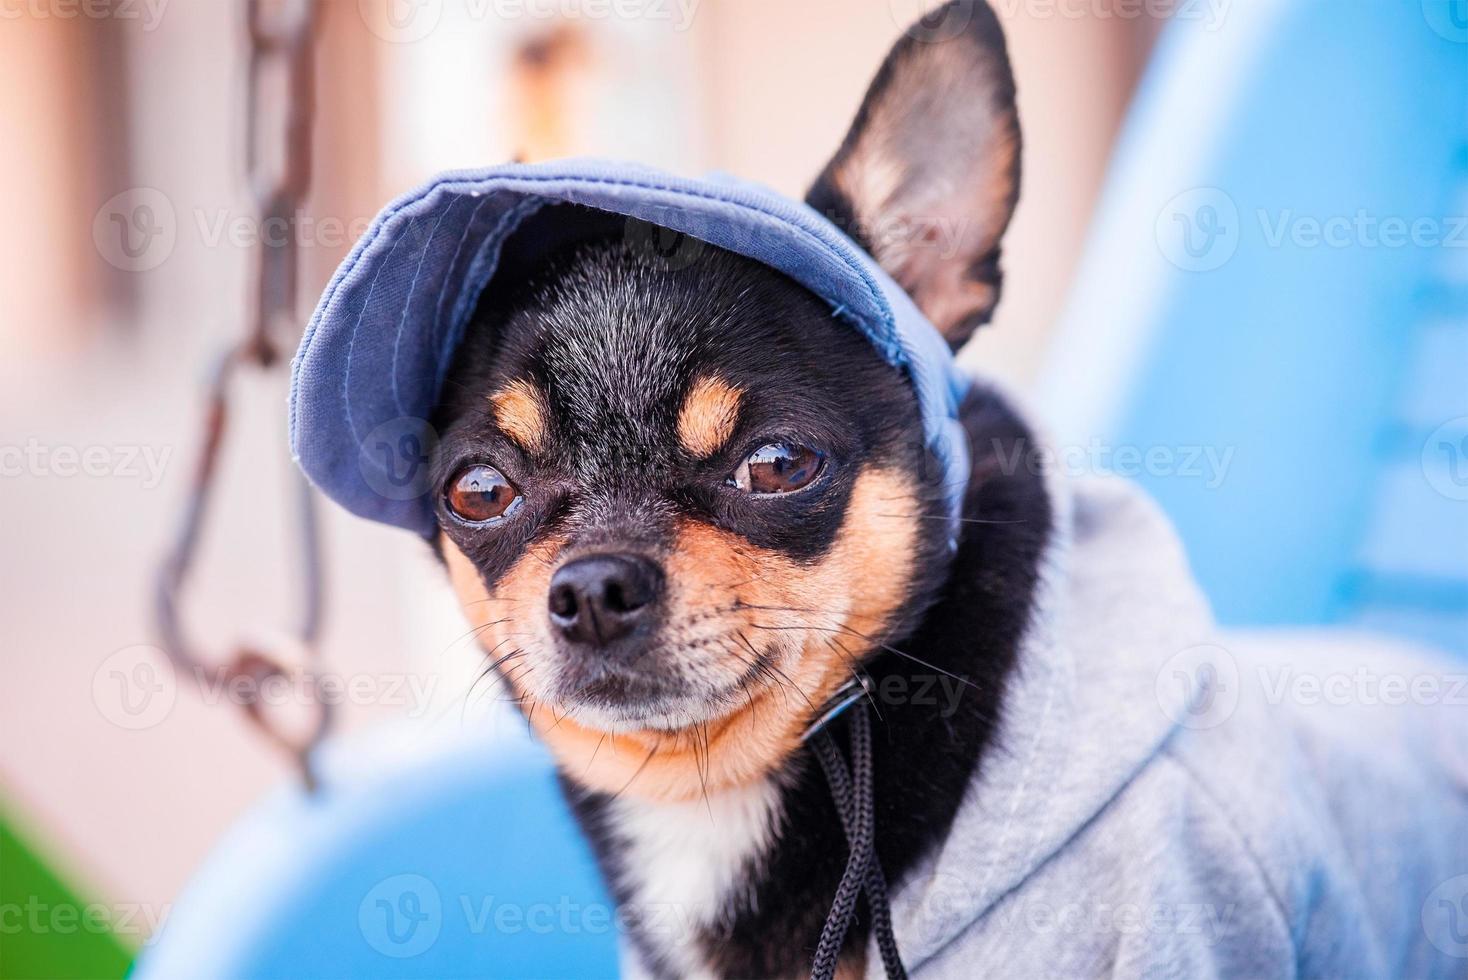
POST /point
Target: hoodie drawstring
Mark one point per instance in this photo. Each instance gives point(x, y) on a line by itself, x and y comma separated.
point(852, 795)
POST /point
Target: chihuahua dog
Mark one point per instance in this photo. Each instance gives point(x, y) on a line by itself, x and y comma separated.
point(685, 506)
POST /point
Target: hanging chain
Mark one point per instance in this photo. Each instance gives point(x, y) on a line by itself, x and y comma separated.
point(280, 39)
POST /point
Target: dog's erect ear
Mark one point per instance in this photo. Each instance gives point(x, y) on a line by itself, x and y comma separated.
point(928, 177)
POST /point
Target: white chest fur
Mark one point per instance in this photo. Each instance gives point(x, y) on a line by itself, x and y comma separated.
point(687, 864)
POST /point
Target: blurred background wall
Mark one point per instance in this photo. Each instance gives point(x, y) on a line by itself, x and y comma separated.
point(125, 257)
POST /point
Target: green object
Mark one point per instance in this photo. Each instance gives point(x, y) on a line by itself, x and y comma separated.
point(49, 932)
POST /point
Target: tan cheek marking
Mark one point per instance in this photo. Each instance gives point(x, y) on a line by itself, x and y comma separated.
point(520, 412)
point(505, 619)
point(850, 596)
point(707, 418)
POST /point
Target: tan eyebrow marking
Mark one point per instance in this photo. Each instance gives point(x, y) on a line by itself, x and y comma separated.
point(520, 412)
point(707, 418)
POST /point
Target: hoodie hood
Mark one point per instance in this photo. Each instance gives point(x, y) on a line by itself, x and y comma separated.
point(1088, 709)
point(376, 351)
point(1160, 802)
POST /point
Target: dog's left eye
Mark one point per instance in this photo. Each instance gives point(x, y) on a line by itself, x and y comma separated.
point(778, 468)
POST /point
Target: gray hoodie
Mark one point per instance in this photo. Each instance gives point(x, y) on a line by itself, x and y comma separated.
point(1168, 801)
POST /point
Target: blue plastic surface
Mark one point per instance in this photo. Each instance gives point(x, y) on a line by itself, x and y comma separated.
point(1303, 312)
point(449, 862)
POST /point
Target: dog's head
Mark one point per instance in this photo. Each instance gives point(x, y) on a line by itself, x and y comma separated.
point(680, 499)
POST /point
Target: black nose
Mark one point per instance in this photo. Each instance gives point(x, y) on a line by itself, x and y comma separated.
point(602, 598)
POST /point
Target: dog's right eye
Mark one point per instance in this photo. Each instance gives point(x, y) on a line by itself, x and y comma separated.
point(480, 494)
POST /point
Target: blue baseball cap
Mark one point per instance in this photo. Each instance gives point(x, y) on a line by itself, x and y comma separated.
point(376, 351)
